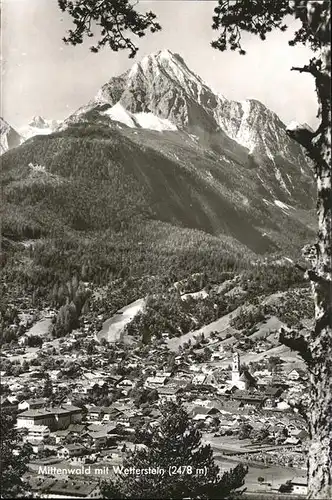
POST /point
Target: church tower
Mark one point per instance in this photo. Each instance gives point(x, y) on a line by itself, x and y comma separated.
point(236, 368)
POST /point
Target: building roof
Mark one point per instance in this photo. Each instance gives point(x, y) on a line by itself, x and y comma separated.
point(40, 483)
point(98, 434)
point(201, 416)
point(200, 410)
point(37, 413)
point(95, 427)
point(42, 412)
point(73, 447)
point(61, 433)
point(179, 382)
point(96, 409)
point(199, 378)
point(300, 480)
point(225, 423)
point(6, 400)
point(65, 409)
point(121, 407)
point(299, 432)
point(73, 489)
point(249, 396)
point(156, 380)
point(109, 410)
point(167, 390)
point(292, 440)
point(39, 401)
point(246, 376)
point(163, 374)
point(76, 427)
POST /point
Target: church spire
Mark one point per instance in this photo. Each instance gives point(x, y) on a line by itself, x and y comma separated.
point(236, 367)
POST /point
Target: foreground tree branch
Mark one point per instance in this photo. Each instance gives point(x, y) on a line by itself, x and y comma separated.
point(296, 342)
point(115, 22)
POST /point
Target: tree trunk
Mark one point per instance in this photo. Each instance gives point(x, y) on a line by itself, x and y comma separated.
point(320, 412)
point(320, 416)
point(318, 351)
point(320, 409)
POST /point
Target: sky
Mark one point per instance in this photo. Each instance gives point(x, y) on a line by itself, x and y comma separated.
point(43, 76)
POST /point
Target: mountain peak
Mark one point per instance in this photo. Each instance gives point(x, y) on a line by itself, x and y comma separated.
point(293, 125)
point(168, 64)
point(165, 54)
point(170, 95)
point(38, 121)
point(162, 84)
point(9, 138)
point(168, 55)
point(38, 126)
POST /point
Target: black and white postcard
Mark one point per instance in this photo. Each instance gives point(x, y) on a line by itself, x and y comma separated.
point(166, 255)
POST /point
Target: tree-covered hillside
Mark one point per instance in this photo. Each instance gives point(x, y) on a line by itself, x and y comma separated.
point(96, 177)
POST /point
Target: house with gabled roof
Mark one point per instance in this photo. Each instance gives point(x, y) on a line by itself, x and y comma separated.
point(30, 418)
point(154, 382)
point(76, 428)
point(32, 404)
point(300, 485)
point(199, 379)
point(250, 398)
point(71, 450)
point(73, 489)
point(7, 405)
point(55, 418)
point(61, 436)
point(95, 413)
point(167, 393)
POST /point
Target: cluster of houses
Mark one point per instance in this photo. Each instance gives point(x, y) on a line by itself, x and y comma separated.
point(72, 427)
point(47, 487)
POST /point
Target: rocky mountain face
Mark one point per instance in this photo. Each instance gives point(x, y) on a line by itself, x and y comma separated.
point(9, 138)
point(160, 92)
point(162, 84)
point(157, 139)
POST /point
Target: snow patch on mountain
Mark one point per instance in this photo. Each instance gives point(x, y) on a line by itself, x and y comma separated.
point(153, 122)
point(281, 205)
point(281, 180)
point(119, 114)
point(244, 135)
point(290, 180)
point(143, 120)
point(294, 125)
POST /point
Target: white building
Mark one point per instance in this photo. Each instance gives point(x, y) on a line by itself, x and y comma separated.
point(33, 418)
point(23, 340)
point(32, 404)
point(38, 434)
point(300, 486)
